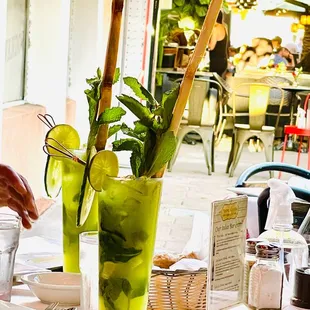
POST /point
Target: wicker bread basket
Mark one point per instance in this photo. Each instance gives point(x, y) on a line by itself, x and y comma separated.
point(178, 290)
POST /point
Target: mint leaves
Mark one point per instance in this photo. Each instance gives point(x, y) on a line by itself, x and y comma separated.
point(113, 249)
point(150, 142)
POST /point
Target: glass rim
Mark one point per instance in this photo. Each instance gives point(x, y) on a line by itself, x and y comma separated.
point(89, 237)
point(143, 178)
point(5, 217)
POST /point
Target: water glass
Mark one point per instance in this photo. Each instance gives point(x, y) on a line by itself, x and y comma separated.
point(9, 240)
point(89, 270)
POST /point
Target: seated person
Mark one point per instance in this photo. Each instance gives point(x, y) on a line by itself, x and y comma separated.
point(284, 56)
point(305, 63)
point(276, 44)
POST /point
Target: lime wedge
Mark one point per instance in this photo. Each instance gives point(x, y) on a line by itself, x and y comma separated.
point(52, 177)
point(103, 164)
point(65, 135)
point(87, 194)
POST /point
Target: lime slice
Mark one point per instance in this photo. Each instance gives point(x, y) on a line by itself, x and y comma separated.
point(52, 177)
point(87, 194)
point(103, 164)
point(65, 135)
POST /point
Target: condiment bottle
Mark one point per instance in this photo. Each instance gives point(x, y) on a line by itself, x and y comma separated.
point(266, 278)
point(250, 260)
point(301, 295)
point(280, 230)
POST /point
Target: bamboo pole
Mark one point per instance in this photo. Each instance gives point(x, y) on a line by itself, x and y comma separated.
point(191, 69)
point(109, 69)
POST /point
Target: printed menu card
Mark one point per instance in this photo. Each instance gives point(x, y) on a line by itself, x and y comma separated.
point(227, 252)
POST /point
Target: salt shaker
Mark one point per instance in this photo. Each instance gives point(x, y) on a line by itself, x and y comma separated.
point(250, 260)
point(266, 278)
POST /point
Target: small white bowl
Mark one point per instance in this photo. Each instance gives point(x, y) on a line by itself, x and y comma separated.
point(51, 287)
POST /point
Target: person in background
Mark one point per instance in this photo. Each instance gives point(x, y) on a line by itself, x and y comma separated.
point(305, 63)
point(218, 47)
point(16, 194)
point(276, 44)
point(284, 56)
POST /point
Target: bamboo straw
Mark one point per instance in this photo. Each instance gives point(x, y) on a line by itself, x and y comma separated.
point(109, 69)
point(191, 69)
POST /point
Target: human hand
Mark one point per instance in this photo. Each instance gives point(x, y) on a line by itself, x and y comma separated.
point(16, 193)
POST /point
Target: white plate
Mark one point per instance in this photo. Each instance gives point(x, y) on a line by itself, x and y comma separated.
point(51, 287)
point(7, 305)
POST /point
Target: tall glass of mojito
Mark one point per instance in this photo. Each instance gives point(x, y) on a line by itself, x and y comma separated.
point(128, 210)
point(72, 177)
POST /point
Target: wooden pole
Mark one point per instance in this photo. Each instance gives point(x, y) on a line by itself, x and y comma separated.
point(191, 69)
point(109, 69)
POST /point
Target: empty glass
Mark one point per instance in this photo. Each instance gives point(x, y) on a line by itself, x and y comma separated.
point(9, 240)
point(89, 270)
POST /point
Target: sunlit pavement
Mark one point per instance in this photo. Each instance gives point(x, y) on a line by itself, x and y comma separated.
point(187, 189)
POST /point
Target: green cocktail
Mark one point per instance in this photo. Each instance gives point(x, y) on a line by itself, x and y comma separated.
point(128, 210)
point(72, 176)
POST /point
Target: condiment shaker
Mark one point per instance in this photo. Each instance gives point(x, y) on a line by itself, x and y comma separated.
point(266, 278)
point(250, 260)
point(301, 295)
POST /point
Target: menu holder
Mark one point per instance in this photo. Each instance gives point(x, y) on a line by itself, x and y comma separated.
point(227, 252)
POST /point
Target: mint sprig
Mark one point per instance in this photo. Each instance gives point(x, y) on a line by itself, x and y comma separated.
point(151, 143)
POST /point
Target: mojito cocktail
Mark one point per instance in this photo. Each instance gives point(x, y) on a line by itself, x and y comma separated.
point(72, 176)
point(128, 210)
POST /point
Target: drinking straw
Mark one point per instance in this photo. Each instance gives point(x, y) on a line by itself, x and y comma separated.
point(109, 69)
point(188, 78)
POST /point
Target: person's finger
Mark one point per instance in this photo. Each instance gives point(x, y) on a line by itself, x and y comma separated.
point(17, 207)
point(29, 200)
point(13, 178)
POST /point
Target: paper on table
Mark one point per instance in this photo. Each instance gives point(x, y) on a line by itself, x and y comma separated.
point(8, 305)
point(38, 245)
point(39, 252)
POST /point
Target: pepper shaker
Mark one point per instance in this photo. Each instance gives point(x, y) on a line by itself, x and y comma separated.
point(250, 260)
point(266, 278)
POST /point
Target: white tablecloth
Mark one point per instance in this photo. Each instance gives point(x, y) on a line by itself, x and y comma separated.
point(22, 296)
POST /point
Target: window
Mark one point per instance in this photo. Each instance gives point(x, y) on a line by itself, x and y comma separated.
point(15, 50)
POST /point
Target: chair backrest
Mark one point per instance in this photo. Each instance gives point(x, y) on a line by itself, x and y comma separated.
point(275, 94)
point(196, 101)
point(258, 96)
point(202, 102)
point(258, 102)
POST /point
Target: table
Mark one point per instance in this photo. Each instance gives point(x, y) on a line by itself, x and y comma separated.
point(22, 296)
point(181, 72)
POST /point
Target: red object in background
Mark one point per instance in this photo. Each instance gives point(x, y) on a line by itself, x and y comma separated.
point(301, 132)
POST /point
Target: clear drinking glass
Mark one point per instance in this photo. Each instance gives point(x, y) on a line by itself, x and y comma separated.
point(9, 240)
point(89, 270)
point(128, 211)
point(72, 177)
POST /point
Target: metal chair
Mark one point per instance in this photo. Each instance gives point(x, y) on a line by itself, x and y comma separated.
point(258, 100)
point(275, 100)
point(200, 118)
point(264, 196)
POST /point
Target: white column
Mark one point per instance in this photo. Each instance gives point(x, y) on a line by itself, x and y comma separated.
point(3, 16)
point(83, 57)
point(47, 59)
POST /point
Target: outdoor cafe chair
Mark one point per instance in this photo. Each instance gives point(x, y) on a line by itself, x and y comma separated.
point(301, 132)
point(258, 100)
point(275, 100)
point(300, 209)
point(199, 117)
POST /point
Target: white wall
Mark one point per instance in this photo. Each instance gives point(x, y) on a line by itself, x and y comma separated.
point(256, 24)
point(83, 60)
point(47, 60)
point(3, 10)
